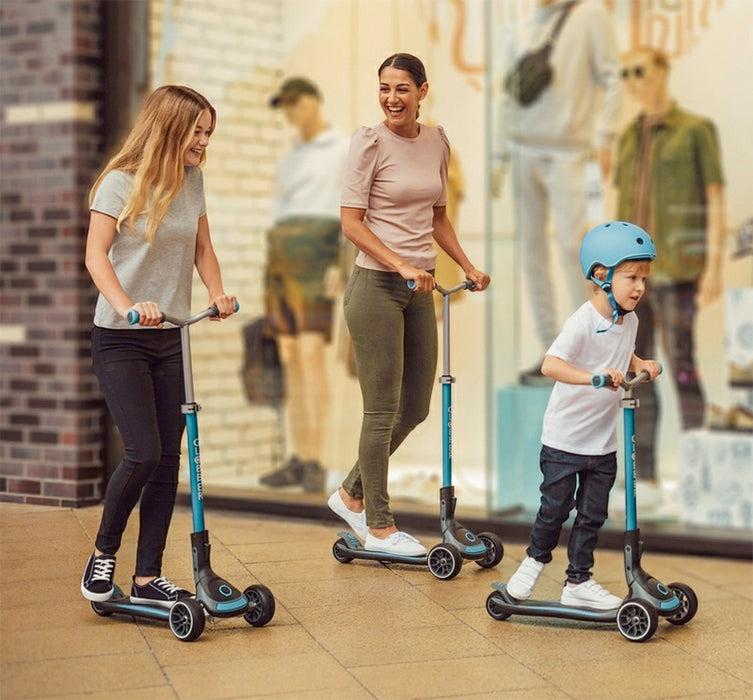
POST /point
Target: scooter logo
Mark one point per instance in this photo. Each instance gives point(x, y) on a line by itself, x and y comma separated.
point(197, 464)
point(225, 590)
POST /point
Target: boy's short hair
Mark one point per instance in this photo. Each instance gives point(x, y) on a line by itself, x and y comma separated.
point(641, 263)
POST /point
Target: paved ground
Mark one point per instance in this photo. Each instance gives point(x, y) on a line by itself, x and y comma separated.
point(351, 631)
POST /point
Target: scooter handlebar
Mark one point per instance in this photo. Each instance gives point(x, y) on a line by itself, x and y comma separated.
point(132, 317)
point(465, 284)
point(604, 380)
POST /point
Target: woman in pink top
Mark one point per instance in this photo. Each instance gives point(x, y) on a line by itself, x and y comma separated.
point(393, 204)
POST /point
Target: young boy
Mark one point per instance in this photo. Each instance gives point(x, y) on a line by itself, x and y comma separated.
point(579, 441)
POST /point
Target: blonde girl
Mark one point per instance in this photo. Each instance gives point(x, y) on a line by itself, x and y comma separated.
point(148, 230)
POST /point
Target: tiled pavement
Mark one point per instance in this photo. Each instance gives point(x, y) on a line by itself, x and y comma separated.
point(351, 631)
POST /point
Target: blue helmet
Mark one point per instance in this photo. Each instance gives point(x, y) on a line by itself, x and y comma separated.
point(613, 243)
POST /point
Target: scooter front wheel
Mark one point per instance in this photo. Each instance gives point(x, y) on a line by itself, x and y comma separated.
point(688, 604)
point(261, 605)
point(494, 608)
point(495, 550)
point(445, 561)
point(637, 620)
point(187, 619)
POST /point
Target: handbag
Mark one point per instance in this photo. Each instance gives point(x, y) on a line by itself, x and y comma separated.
point(533, 72)
point(262, 372)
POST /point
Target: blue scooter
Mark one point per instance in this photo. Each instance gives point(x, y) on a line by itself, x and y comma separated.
point(215, 597)
point(458, 543)
point(647, 599)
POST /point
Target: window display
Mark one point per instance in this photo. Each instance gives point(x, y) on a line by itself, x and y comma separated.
point(689, 455)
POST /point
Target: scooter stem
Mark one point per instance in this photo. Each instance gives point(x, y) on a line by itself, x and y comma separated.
point(629, 404)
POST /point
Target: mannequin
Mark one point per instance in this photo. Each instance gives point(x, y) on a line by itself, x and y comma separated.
point(304, 276)
point(670, 182)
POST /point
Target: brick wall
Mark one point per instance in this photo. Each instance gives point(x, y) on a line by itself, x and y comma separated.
point(55, 94)
point(51, 439)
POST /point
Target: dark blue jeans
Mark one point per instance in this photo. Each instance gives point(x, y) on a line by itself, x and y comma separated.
point(579, 481)
point(140, 373)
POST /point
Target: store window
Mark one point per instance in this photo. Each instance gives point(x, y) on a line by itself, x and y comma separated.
point(552, 182)
point(702, 474)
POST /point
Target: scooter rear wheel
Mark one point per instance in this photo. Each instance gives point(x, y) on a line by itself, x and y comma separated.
point(494, 608)
point(688, 604)
point(261, 605)
point(637, 620)
point(445, 561)
point(187, 619)
point(495, 550)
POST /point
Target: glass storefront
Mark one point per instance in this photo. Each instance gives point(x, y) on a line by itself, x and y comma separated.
point(703, 478)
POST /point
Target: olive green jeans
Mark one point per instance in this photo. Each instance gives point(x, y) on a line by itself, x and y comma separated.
point(394, 333)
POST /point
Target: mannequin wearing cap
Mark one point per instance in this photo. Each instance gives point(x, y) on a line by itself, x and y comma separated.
point(303, 276)
point(579, 432)
point(670, 182)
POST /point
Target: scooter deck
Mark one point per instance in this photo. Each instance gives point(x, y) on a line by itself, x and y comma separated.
point(548, 608)
point(354, 548)
point(121, 603)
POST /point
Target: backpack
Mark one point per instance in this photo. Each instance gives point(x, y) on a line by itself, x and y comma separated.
point(262, 372)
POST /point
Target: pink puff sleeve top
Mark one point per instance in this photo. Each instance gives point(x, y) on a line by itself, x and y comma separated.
point(398, 181)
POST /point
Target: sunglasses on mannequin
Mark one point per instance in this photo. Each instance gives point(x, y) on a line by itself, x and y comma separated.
point(635, 71)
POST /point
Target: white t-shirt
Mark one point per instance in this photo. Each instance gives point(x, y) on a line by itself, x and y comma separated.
point(309, 178)
point(583, 419)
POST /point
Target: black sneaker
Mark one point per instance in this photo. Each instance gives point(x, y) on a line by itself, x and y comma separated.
point(96, 583)
point(161, 591)
point(289, 474)
point(533, 377)
point(314, 477)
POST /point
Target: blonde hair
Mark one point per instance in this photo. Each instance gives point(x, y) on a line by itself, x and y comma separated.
point(153, 153)
point(641, 266)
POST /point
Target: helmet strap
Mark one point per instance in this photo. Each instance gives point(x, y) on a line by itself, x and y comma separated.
point(606, 287)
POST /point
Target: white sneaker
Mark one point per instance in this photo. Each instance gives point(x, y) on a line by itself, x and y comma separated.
point(589, 594)
point(356, 521)
point(521, 583)
point(396, 543)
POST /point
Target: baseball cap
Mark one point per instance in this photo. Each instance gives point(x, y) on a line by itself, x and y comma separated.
point(293, 88)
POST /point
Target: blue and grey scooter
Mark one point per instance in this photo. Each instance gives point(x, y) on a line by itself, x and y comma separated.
point(215, 597)
point(445, 559)
point(647, 599)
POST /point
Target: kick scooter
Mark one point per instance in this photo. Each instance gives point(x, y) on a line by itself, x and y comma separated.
point(445, 559)
point(647, 599)
point(215, 597)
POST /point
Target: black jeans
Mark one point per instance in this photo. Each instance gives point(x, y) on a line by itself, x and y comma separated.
point(140, 373)
point(594, 476)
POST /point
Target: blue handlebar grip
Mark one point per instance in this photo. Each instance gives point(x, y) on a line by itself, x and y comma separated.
point(601, 380)
point(237, 306)
point(132, 317)
point(411, 284)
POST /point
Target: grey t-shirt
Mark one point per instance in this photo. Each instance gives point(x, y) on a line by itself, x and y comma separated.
point(161, 272)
